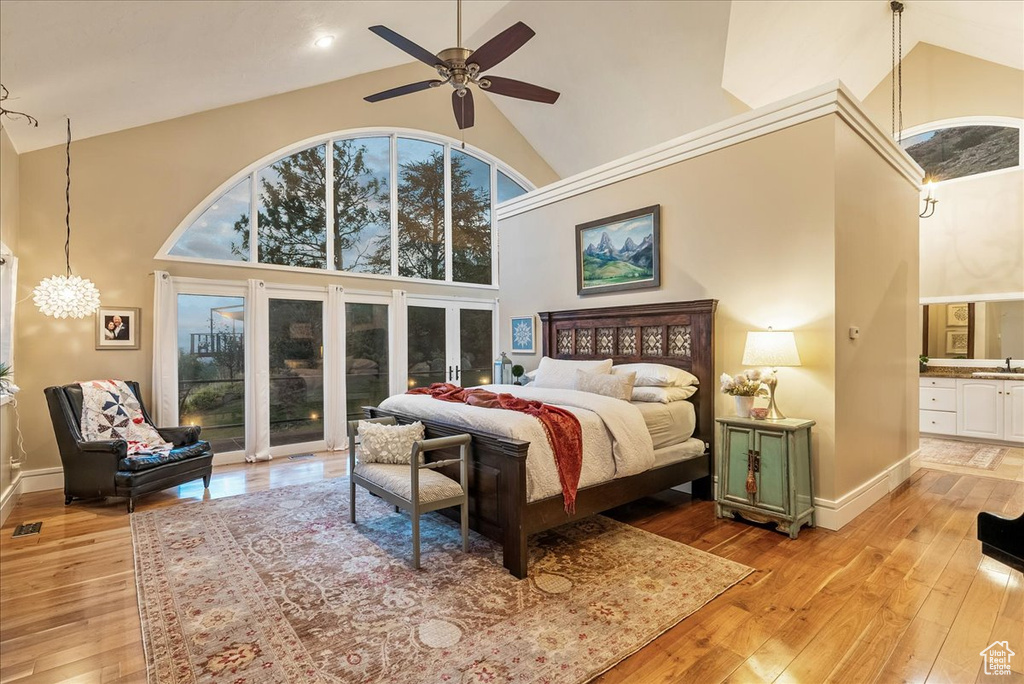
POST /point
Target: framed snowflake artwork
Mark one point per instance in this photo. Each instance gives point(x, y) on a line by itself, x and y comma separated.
point(523, 334)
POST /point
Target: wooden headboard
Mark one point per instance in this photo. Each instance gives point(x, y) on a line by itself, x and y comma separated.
point(680, 334)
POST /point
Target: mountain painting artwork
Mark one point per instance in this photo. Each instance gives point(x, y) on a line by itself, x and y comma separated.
point(621, 252)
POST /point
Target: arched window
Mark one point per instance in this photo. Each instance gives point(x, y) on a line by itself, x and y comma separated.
point(399, 204)
point(968, 146)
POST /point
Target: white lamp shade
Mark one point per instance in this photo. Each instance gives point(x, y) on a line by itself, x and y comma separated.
point(772, 348)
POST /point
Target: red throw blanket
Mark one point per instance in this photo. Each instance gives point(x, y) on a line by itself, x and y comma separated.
point(562, 428)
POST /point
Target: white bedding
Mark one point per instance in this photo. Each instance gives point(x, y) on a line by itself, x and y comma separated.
point(616, 442)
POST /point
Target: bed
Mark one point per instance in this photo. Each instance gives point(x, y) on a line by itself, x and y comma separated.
point(679, 334)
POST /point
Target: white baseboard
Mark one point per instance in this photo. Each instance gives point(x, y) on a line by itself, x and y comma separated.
point(41, 479)
point(9, 497)
point(834, 514)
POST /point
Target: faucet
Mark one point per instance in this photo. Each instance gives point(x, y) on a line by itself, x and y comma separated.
point(1008, 359)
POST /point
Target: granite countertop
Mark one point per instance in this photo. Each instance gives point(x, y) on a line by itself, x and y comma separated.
point(959, 371)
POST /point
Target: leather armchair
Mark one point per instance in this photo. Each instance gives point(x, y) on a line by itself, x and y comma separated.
point(102, 468)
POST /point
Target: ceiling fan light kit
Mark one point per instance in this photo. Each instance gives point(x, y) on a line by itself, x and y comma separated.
point(461, 67)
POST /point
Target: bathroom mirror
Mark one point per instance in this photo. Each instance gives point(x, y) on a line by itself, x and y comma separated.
point(973, 330)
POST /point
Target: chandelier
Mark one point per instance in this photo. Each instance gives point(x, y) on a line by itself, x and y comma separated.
point(68, 295)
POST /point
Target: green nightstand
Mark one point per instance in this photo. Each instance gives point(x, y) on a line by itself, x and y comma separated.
point(778, 455)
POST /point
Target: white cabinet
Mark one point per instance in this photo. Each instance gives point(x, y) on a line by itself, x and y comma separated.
point(979, 408)
point(973, 407)
point(1013, 410)
point(938, 406)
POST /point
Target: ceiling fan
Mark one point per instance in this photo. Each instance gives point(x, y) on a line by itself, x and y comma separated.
point(461, 67)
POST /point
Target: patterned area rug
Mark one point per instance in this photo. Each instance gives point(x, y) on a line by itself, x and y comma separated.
point(965, 454)
point(277, 586)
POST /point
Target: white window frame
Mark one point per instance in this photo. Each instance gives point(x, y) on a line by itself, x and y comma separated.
point(335, 395)
point(451, 304)
point(963, 121)
point(9, 294)
point(307, 294)
point(215, 288)
point(252, 171)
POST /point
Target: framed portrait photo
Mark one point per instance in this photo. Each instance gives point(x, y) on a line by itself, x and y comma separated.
point(118, 327)
point(621, 252)
point(523, 334)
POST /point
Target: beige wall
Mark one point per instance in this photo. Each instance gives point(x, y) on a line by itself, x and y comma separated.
point(974, 243)
point(749, 225)
point(9, 221)
point(761, 227)
point(943, 84)
point(132, 188)
point(876, 375)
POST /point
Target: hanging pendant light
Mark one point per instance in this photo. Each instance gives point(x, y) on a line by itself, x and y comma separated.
point(68, 295)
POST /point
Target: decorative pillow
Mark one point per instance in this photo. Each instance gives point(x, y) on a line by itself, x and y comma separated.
point(656, 375)
point(663, 395)
point(388, 443)
point(561, 373)
point(616, 386)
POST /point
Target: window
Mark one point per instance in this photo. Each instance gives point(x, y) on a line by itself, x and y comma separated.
point(211, 368)
point(508, 188)
point(222, 231)
point(8, 293)
point(292, 223)
point(421, 200)
point(296, 371)
point(366, 356)
point(400, 206)
point(362, 205)
point(952, 152)
point(471, 219)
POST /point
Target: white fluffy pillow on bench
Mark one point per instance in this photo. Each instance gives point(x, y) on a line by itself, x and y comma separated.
point(388, 443)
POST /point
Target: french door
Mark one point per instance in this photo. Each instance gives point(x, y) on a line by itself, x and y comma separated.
point(450, 342)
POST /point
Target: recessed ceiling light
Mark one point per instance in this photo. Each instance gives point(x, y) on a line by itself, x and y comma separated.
point(324, 41)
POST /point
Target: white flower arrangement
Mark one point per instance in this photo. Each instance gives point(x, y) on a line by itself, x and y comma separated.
point(746, 384)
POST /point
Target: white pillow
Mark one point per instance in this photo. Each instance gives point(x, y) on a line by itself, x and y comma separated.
point(656, 375)
point(388, 443)
point(615, 386)
point(663, 395)
point(561, 373)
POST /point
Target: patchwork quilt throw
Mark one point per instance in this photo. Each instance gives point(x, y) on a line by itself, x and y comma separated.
point(110, 410)
point(561, 427)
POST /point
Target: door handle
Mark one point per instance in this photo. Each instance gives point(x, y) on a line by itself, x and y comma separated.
point(757, 461)
point(449, 373)
point(458, 372)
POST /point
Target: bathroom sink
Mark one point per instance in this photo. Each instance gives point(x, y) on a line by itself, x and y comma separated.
point(1001, 375)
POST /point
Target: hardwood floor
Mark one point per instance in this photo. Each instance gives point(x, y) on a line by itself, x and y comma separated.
point(901, 594)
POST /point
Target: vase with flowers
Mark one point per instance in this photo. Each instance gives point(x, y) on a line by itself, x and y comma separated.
point(744, 388)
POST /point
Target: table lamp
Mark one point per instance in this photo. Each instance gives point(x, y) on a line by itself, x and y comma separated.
point(773, 348)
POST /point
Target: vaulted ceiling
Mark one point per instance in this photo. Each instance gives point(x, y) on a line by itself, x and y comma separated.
point(631, 74)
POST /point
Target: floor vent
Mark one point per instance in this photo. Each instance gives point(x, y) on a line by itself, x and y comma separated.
point(299, 457)
point(27, 529)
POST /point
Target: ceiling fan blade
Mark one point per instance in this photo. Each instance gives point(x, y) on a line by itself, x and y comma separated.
point(501, 46)
point(406, 45)
point(524, 91)
point(464, 109)
point(402, 90)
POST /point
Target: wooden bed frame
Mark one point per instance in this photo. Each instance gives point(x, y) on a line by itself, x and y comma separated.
point(680, 334)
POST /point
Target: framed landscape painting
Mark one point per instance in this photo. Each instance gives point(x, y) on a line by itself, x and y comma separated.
point(523, 334)
point(621, 252)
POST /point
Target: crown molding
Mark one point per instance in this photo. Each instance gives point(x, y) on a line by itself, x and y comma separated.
point(830, 98)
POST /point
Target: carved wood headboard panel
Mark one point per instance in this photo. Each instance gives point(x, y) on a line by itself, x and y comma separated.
point(680, 334)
